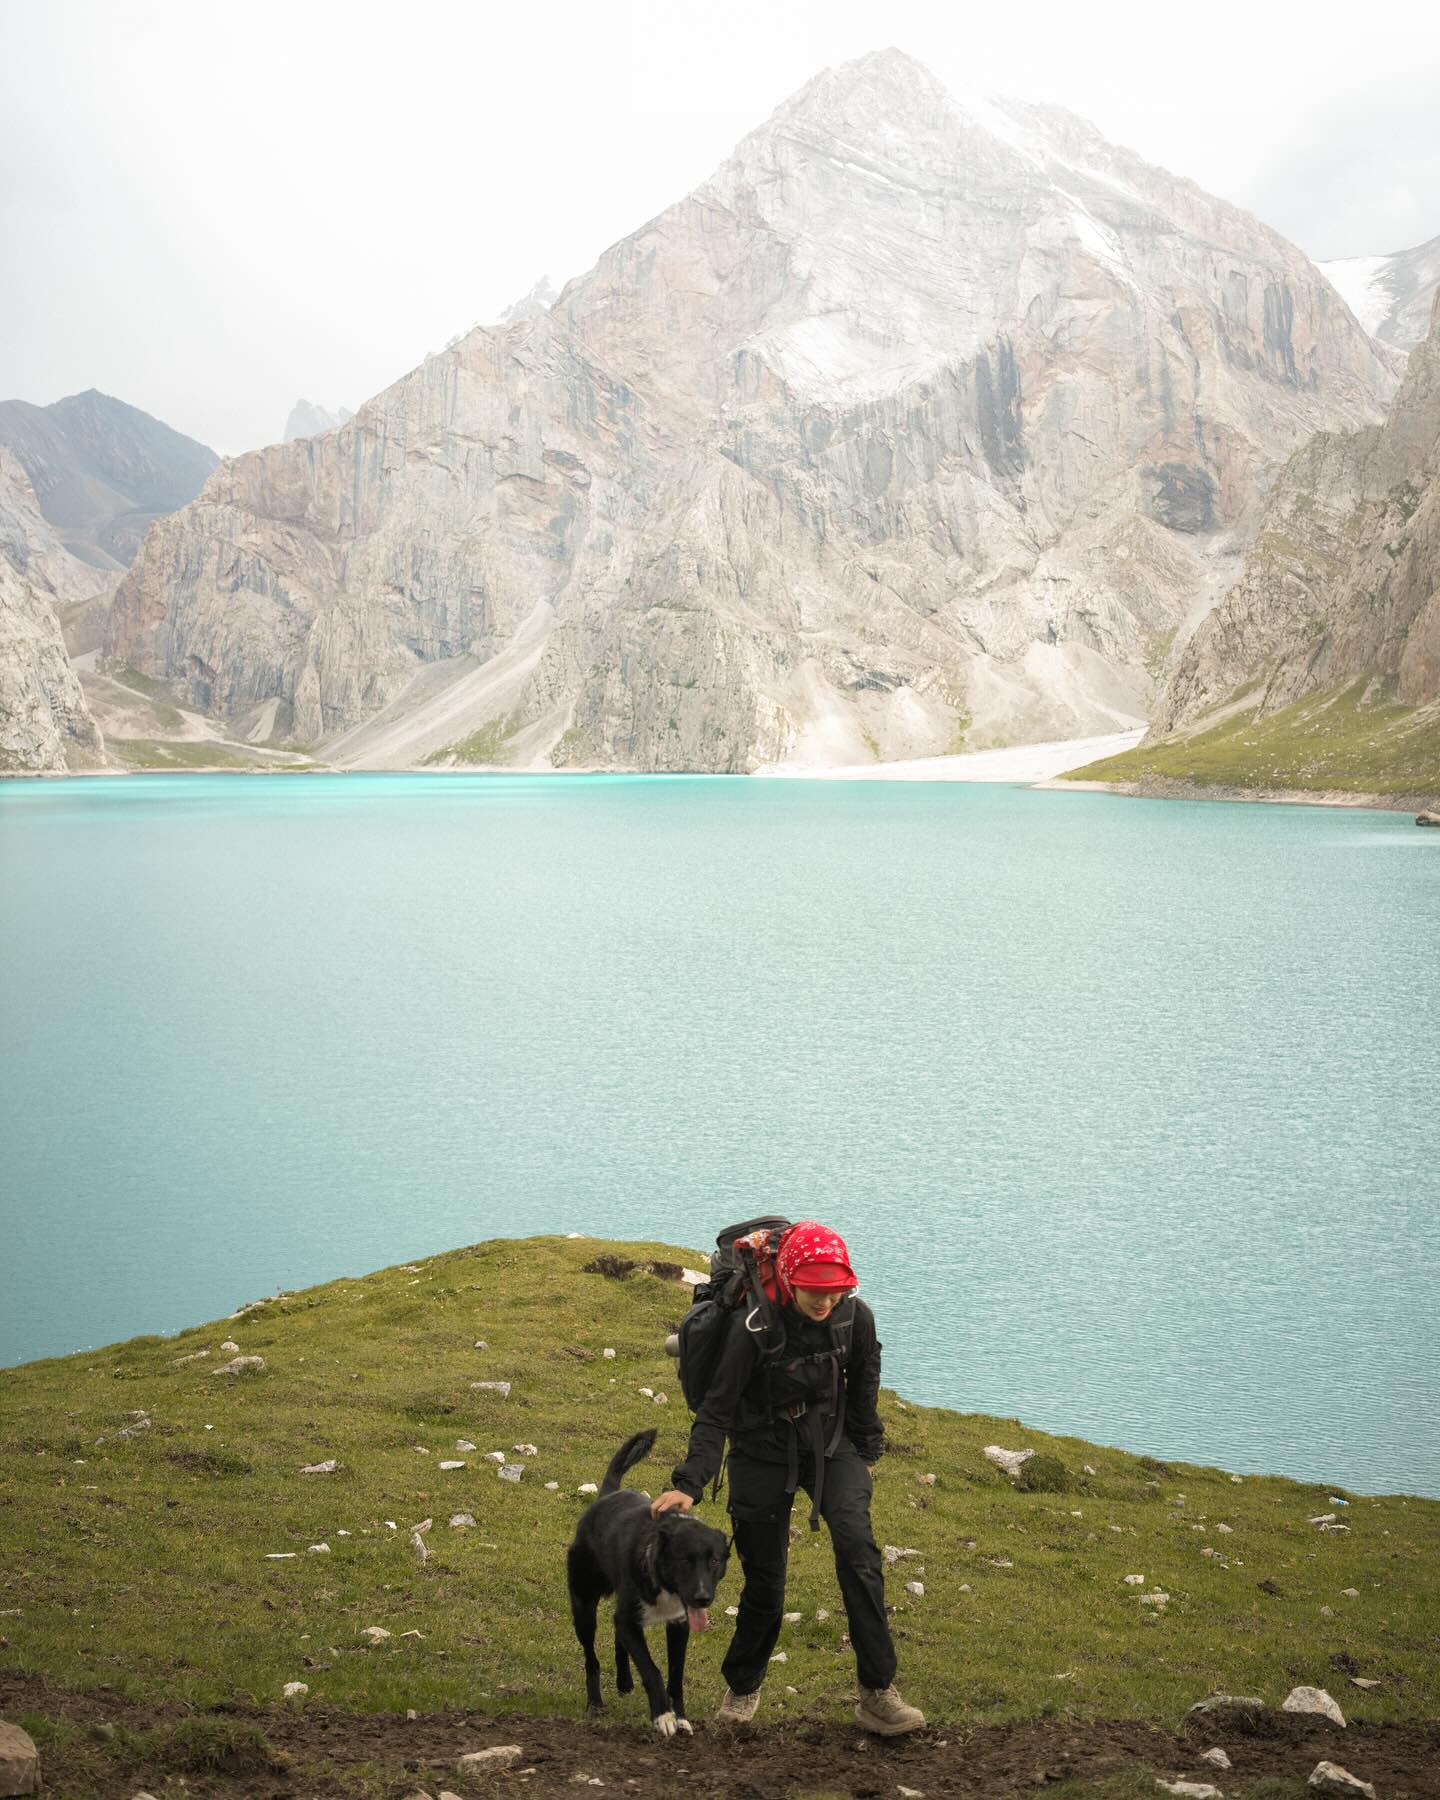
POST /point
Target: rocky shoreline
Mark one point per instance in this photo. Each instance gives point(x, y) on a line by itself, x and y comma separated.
point(1167, 788)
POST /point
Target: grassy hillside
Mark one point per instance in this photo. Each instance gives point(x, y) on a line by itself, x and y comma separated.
point(1334, 741)
point(140, 1562)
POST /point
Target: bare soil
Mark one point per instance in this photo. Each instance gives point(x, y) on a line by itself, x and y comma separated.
point(315, 1752)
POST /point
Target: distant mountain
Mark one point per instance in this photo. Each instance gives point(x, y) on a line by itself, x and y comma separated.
point(1391, 296)
point(926, 421)
point(102, 470)
point(45, 724)
point(309, 420)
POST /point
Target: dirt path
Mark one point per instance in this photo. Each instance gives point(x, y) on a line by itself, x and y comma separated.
point(316, 1752)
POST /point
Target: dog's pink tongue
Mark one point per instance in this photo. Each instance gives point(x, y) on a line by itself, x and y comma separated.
point(699, 1618)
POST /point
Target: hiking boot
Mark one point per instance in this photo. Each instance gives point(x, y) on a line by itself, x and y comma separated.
point(738, 1709)
point(882, 1711)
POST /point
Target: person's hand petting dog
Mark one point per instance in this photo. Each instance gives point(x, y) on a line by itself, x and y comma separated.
point(671, 1498)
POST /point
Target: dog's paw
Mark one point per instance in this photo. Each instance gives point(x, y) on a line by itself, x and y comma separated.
point(685, 1726)
point(667, 1724)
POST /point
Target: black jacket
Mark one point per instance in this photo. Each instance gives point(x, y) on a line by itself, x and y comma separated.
point(743, 1392)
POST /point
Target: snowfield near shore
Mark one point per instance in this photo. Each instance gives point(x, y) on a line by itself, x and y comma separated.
point(1019, 762)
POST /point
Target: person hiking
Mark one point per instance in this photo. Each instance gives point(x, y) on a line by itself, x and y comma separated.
point(799, 1412)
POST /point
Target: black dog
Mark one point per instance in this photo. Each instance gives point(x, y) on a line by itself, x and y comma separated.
point(663, 1569)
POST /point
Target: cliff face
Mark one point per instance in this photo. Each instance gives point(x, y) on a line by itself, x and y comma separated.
point(1344, 577)
point(44, 722)
point(919, 421)
point(1391, 296)
point(102, 470)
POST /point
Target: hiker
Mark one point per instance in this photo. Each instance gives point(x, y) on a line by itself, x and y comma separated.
point(802, 1415)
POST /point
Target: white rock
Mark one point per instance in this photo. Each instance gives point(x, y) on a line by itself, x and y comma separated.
point(1190, 1790)
point(317, 1550)
point(1237, 1479)
point(1134, 1581)
point(502, 1388)
point(194, 1356)
point(1217, 1757)
point(464, 1446)
point(662, 1399)
point(553, 1487)
point(462, 1521)
point(1312, 1700)
point(1088, 1469)
point(495, 1456)
point(926, 1480)
point(525, 1449)
point(917, 1588)
point(649, 1394)
point(587, 1487)
point(693, 1277)
point(894, 1552)
point(822, 1613)
point(241, 1365)
point(1350, 1593)
point(965, 1587)
point(793, 1618)
point(281, 1555)
point(1322, 1519)
point(907, 1793)
point(230, 1347)
point(609, 1355)
point(1330, 1778)
point(1227, 1529)
point(480, 1344)
point(1156, 1599)
point(780, 1656)
point(1011, 1461)
point(510, 1471)
point(732, 1612)
point(452, 1465)
point(377, 1634)
point(293, 1689)
point(1364, 1681)
point(19, 1761)
point(328, 1467)
point(498, 1756)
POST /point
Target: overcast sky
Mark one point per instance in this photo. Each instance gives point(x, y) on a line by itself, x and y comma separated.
point(210, 210)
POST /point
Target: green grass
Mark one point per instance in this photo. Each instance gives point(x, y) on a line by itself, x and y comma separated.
point(141, 1562)
point(1333, 741)
point(487, 745)
point(166, 753)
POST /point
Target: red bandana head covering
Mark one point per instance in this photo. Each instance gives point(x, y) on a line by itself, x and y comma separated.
point(803, 1246)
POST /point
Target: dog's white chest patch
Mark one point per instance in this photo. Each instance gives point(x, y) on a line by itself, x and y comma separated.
point(669, 1609)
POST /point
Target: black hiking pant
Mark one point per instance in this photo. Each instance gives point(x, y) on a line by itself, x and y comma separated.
point(760, 1513)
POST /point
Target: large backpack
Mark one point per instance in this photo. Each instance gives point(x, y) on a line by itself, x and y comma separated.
point(742, 1275)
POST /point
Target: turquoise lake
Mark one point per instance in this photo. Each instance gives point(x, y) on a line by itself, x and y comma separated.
point(1129, 1110)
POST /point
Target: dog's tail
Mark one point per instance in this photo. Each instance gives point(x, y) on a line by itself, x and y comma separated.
point(633, 1450)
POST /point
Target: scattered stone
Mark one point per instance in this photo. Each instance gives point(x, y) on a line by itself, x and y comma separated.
point(965, 1587)
point(464, 1446)
point(587, 1487)
point(693, 1277)
point(241, 1365)
point(1216, 1757)
point(1327, 1612)
point(1231, 1712)
point(281, 1555)
point(793, 1618)
point(1156, 1599)
point(502, 1388)
point(294, 1690)
point(822, 1613)
point(909, 1793)
point(1322, 1519)
point(317, 1549)
point(1088, 1470)
point(328, 1467)
point(495, 1456)
point(194, 1356)
point(1364, 1681)
point(1227, 1529)
point(1335, 1528)
point(1011, 1461)
point(452, 1465)
point(1237, 1479)
point(462, 1521)
point(917, 1588)
point(1207, 1551)
point(1350, 1593)
point(230, 1347)
point(1134, 1581)
point(482, 1762)
point(510, 1471)
point(417, 1538)
point(413, 1634)
point(1330, 1778)
point(377, 1634)
point(1191, 1790)
point(662, 1399)
point(608, 1354)
point(649, 1394)
point(732, 1612)
point(926, 1480)
point(893, 1552)
point(780, 1656)
point(19, 1761)
point(552, 1487)
point(1312, 1700)
point(525, 1449)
